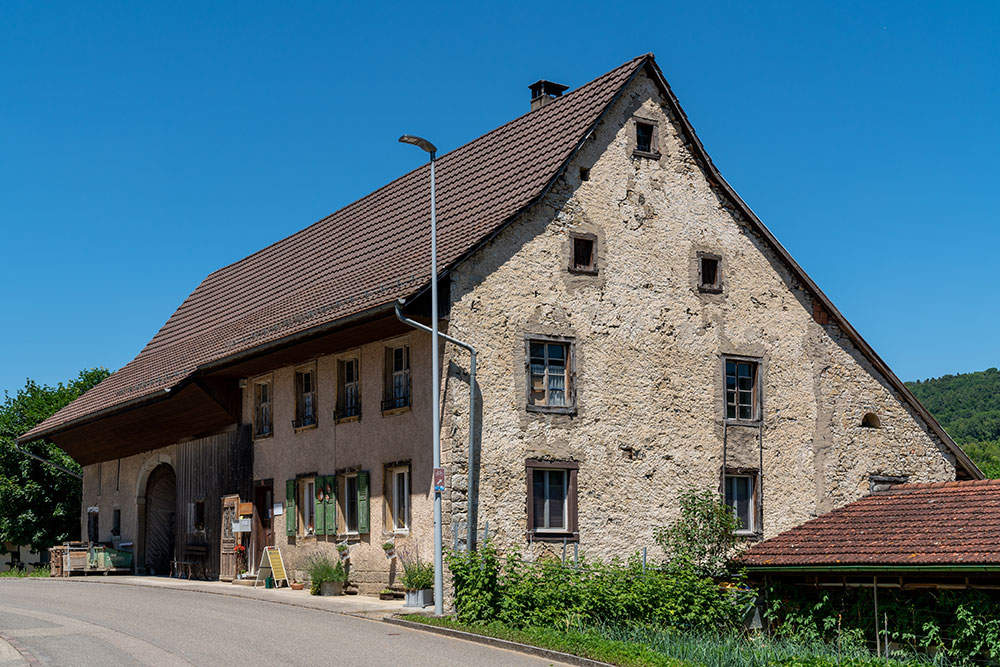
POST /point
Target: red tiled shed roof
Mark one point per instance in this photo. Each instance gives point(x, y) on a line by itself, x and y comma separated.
point(365, 255)
point(937, 524)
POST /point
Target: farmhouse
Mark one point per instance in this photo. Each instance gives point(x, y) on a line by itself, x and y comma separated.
point(638, 331)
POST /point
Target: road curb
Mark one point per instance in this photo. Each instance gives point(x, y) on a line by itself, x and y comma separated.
point(26, 655)
point(548, 654)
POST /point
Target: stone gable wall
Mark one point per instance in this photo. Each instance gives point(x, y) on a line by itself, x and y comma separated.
point(649, 348)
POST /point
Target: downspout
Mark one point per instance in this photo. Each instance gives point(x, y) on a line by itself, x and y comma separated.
point(469, 529)
point(51, 463)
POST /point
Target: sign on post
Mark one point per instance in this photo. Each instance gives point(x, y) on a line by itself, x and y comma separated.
point(438, 480)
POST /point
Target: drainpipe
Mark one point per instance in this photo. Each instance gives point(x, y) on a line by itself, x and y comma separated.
point(469, 531)
point(51, 463)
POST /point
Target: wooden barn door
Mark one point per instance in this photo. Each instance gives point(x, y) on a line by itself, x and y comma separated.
point(161, 519)
point(227, 559)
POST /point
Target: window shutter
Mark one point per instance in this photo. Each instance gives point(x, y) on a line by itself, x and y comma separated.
point(290, 514)
point(319, 521)
point(571, 498)
point(330, 489)
point(363, 503)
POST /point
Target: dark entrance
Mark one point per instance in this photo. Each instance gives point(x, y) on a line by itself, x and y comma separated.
point(161, 522)
point(263, 530)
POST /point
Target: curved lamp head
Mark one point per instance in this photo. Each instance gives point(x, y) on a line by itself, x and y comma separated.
point(423, 144)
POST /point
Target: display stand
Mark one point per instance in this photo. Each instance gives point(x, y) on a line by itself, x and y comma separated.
point(271, 565)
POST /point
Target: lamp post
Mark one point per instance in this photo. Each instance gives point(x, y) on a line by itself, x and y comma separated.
point(428, 147)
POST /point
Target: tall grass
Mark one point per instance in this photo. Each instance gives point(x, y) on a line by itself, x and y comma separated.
point(738, 650)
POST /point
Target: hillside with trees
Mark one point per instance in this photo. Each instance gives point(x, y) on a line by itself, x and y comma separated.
point(968, 406)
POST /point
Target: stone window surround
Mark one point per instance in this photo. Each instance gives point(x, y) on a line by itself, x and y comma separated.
point(570, 407)
point(757, 530)
point(654, 152)
point(758, 390)
point(572, 532)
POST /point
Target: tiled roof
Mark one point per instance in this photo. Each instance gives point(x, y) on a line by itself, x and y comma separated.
point(941, 523)
point(365, 255)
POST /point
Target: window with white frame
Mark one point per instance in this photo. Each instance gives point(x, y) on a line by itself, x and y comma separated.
point(305, 397)
point(742, 390)
point(398, 497)
point(550, 375)
point(262, 407)
point(307, 506)
point(348, 388)
point(351, 503)
point(549, 496)
point(397, 377)
point(742, 501)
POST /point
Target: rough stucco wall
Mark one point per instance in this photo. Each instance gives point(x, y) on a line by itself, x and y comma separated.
point(371, 443)
point(649, 347)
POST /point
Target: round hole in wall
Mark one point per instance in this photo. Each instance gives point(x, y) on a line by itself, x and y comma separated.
point(871, 420)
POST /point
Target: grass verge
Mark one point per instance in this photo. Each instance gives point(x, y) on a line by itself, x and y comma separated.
point(585, 644)
point(18, 573)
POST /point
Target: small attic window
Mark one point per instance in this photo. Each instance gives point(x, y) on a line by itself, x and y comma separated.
point(584, 173)
point(709, 272)
point(645, 139)
point(871, 420)
point(584, 257)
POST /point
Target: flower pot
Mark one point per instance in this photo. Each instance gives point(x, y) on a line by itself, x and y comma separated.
point(297, 586)
point(386, 596)
point(421, 598)
point(331, 588)
point(390, 554)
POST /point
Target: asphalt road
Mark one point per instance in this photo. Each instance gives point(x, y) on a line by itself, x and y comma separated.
point(71, 623)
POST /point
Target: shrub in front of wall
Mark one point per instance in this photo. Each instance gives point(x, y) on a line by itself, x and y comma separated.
point(417, 576)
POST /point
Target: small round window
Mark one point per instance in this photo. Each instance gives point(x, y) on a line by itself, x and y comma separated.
point(871, 420)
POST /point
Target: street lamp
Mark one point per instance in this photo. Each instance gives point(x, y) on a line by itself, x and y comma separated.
point(428, 147)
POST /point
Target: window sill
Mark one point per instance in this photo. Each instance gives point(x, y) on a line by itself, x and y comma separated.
point(743, 422)
point(263, 436)
point(395, 411)
point(648, 155)
point(347, 420)
point(307, 427)
point(552, 409)
point(575, 270)
point(749, 535)
point(350, 538)
point(400, 532)
point(709, 289)
point(546, 536)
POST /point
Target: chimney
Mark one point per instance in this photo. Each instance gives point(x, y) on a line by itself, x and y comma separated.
point(543, 92)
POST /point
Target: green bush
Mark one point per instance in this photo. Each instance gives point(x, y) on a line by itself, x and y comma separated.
point(321, 568)
point(550, 594)
point(417, 576)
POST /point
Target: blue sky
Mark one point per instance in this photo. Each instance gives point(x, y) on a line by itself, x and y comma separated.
point(143, 145)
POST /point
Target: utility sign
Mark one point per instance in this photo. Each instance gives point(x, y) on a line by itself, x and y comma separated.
point(438, 480)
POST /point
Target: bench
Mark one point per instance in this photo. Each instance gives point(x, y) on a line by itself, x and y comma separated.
point(185, 566)
point(193, 563)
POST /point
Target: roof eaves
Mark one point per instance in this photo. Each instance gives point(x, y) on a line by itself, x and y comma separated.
point(961, 457)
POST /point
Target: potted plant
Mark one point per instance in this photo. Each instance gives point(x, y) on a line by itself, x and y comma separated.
point(418, 580)
point(326, 577)
point(386, 594)
point(344, 550)
point(390, 550)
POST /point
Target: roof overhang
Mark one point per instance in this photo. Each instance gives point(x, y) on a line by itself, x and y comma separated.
point(872, 568)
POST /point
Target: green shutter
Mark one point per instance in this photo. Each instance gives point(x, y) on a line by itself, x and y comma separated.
point(319, 521)
point(331, 505)
point(363, 503)
point(290, 515)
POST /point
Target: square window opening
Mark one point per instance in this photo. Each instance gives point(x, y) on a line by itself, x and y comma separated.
point(116, 523)
point(742, 501)
point(549, 374)
point(584, 173)
point(305, 398)
point(583, 253)
point(199, 515)
point(643, 137)
point(709, 274)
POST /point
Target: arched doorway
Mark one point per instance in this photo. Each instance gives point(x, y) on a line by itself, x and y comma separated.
point(161, 519)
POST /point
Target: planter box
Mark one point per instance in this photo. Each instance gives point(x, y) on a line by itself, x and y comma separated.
point(422, 598)
point(331, 588)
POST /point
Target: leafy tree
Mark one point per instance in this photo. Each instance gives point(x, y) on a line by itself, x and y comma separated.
point(39, 505)
point(704, 538)
point(968, 407)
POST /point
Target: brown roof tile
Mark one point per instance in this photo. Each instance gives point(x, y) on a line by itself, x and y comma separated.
point(365, 255)
point(940, 523)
